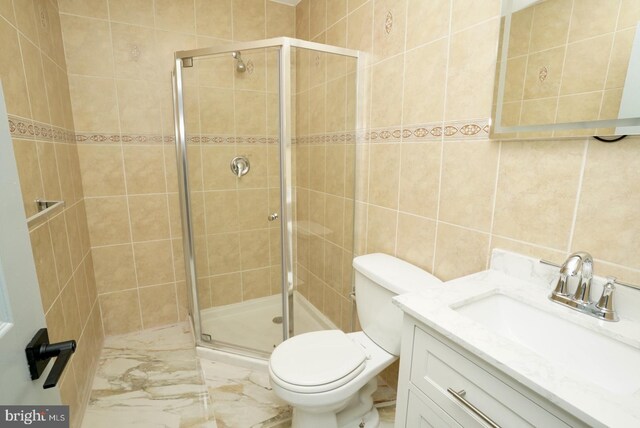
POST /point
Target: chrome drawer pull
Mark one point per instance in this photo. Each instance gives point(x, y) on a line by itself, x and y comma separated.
point(460, 397)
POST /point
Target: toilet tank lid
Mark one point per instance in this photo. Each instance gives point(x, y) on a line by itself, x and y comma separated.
point(394, 274)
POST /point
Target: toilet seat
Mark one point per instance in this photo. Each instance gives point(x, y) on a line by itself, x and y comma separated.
point(316, 362)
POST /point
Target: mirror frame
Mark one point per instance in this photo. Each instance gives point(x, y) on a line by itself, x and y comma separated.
point(520, 131)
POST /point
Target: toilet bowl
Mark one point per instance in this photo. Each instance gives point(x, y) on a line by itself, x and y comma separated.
point(328, 377)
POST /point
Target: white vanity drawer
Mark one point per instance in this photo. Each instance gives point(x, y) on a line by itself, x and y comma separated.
point(436, 367)
point(423, 413)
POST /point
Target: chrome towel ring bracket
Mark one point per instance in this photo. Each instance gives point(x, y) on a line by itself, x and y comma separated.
point(240, 166)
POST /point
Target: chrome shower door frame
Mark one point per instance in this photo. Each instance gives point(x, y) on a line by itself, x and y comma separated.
point(182, 58)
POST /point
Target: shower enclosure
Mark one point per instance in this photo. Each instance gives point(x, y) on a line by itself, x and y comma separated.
point(266, 137)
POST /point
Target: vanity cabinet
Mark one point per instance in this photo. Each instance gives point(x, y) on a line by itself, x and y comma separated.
point(433, 368)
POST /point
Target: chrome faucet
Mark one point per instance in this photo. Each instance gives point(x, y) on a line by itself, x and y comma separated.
point(580, 265)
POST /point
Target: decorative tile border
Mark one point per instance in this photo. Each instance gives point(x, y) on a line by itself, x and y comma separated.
point(458, 130)
point(22, 128)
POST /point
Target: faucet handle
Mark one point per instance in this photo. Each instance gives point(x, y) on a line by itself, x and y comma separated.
point(605, 304)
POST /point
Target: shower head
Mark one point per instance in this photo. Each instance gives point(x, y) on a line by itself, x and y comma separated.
point(240, 67)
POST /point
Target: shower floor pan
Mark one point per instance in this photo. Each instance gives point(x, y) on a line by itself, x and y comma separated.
point(251, 324)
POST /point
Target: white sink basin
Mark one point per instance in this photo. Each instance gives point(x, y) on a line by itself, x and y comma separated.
point(609, 363)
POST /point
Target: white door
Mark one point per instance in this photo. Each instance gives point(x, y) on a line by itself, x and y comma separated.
point(21, 313)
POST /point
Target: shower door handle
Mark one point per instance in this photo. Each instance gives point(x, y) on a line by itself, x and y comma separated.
point(272, 217)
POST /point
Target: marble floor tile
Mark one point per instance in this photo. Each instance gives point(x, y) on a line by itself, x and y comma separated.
point(149, 379)
point(153, 378)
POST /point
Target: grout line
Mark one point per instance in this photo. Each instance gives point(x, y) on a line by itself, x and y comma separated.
point(124, 168)
point(564, 61)
point(495, 199)
point(606, 76)
point(444, 111)
point(401, 149)
point(574, 219)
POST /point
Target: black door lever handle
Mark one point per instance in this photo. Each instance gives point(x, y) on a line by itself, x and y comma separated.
point(40, 351)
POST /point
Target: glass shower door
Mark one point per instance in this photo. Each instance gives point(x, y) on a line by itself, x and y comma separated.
point(232, 127)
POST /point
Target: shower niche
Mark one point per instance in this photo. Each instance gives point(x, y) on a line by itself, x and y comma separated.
point(266, 142)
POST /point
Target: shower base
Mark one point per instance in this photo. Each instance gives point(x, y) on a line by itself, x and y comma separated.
point(251, 324)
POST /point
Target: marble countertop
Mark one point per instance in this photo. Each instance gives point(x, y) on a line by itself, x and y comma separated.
point(530, 282)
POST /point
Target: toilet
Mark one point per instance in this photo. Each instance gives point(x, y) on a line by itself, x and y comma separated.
point(328, 376)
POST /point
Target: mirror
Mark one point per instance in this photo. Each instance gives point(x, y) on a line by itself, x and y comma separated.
point(568, 68)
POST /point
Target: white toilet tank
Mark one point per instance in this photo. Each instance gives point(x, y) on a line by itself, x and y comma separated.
point(379, 277)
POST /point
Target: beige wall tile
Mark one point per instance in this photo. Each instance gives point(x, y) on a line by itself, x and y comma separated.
point(70, 308)
point(317, 18)
point(224, 253)
point(26, 156)
point(550, 24)
point(336, 10)
point(389, 27)
point(535, 199)
point(619, 62)
point(213, 18)
point(468, 183)
point(420, 178)
point(120, 312)
point(139, 12)
point(459, 252)
point(336, 169)
point(302, 19)
point(154, 262)
point(629, 14)
point(608, 233)
point(102, 170)
point(175, 15)
point(527, 249)
point(250, 113)
point(87, 45)
point(158, 304)
point(550, 62)
point(386, 98)
point(359, 35)
point(226, 289)
point(134, 52)
point(139, 107)
point(384, 175)
point(89, 8)
point(144, 169)
point(108, 220)
point(60, 241)
point(580, 107)
point(465, 13)
point(586, 65)
point(45, 263)
point(114, 268)
point(416, 240)
point(584, 26)
point(35, 81)
point(472, 63)
point(427, 22)
point(215, 115)
point(15, 95)
point(94, 104)
point(250, 23)
point(24, 19)
point(149, 217)
point(381, 230)
point(256, 283)
point(253, 209)
point(425, 78)
point(254, 248)
point(49, 170)
point(221, 210)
